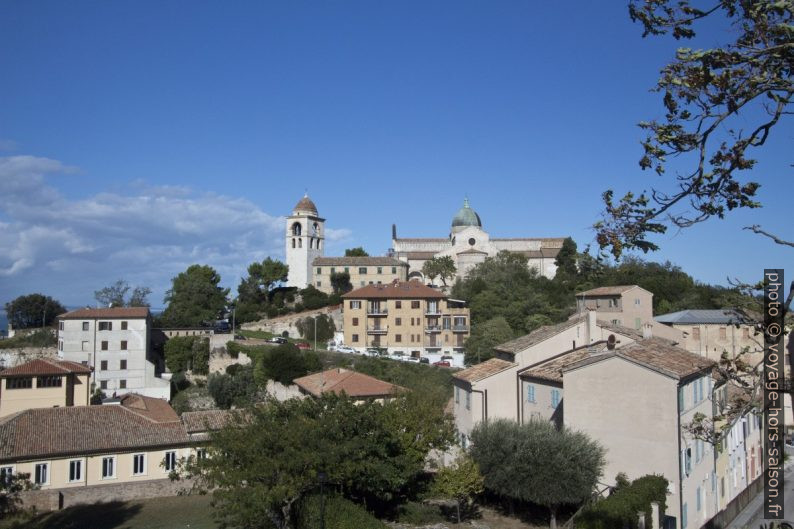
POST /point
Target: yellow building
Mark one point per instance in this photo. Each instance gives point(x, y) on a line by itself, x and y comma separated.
point(405, 317)
point(43, 383)
point(362, 270)
point(140, 439)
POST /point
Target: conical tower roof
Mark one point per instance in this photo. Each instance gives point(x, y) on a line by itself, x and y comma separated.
point(305, 206)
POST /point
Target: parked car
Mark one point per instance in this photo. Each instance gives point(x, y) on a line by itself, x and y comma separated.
point(414, 359)
point(303, 345)
point(447, 358)
point(222, 327)
point(442, 363)
point(345, 349)
point(424, 360)
point(277, 339)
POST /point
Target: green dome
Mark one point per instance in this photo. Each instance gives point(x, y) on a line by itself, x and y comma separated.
point(466, 216)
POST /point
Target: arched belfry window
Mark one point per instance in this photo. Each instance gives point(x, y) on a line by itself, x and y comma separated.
point(296, 229)
point(293, 243)
point(300, 243)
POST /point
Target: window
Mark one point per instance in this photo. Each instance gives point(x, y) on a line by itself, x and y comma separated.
point(85, 325)
point(60, 325)
point(680, 398)
point(52, 381)
point(355, 338)
point(76, 470)
point(41, 474)
point(468, 400)
point(6, 473)
point(170, 461)
point(319, 271)
point(398, 321)
point(393, 269)
point(636, 301)
point(122, 384)
point(637, 323)
point(355, 304)
point(319, 283)
point(104, 346)
point(108, 467)
point(398, 304)
point(84, 345)
point(138, 464)
point(123, 346)
point(380, 269)
point(103, 365)
point(555, 398)
point(398, 338)
point(611, 303)
point(446, 323)
point(19, 383)
point(530, 393)
point(355, 321)
point(347, 269)
point(60, 345)
point(103, 384)
point(201, 453)
point(723, 333)
point(683, 517)
point(105, 325)
point(124, 326)
point(362, 270)
point(415, 304)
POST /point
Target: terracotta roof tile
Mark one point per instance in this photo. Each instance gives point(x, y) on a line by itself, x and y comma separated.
point(107, 312)
point(551, 369)
point(538, 335)
point(483, 370)
point(157, 410)
point(358, 261)
point(45, 366)
point(658, 355)
point(206, 420)
point(51, 432)
point(340, 380)
point(395, 290)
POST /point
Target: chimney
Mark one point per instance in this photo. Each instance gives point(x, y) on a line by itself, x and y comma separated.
point(592, 326)
point(647, 331)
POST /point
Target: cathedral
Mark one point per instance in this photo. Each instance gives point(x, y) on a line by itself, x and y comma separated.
point(467, 244)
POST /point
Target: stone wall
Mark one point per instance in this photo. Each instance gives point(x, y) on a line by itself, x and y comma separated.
point(20, 355)
point(220, 360)
point(50, 500)
point(287, 322)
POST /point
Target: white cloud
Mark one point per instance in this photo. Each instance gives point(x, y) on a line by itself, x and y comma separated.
point(70, 247)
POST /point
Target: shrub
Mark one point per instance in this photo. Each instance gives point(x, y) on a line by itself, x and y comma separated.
point(187, 352)
point(201, 356)
point(340, 513)
point(621, 508)
point(232, 390)
point(179, 382)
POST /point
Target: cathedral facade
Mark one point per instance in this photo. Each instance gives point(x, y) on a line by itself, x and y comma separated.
point(469, 244)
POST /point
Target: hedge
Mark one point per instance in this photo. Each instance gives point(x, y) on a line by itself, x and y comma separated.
point(620, 509)
point(340, 513)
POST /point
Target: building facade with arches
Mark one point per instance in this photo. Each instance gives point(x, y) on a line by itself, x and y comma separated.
point(305, 241)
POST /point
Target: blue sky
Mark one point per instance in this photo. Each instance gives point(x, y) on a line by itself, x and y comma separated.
point(137, 138)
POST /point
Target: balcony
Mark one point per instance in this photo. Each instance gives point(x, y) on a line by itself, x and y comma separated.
point(377, 330)
point(460, 328)
point(377, 311)
point(433, 311)
point(432, 329)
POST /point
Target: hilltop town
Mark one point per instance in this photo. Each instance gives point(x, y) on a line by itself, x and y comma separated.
point(126, 405)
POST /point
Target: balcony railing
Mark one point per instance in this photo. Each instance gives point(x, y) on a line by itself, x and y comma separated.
point(377, 330)
point(433, 311)
point(377, 311)
point(433, 328)
point(460, 328)
point(433, 345)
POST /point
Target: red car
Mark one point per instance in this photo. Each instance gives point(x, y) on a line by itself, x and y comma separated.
point(303, 345)
point(442, 363)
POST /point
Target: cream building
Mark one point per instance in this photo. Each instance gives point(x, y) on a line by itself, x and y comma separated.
point(634, 400)
point(362, 270)
point(115, 342)
point(406, 318)
point(43, 383)
point(468, 244)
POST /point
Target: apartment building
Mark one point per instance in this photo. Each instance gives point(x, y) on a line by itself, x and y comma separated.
point(711, 332)
point(43, 383)
point(635, 400)
point(363, 271)
point(405, 317)
point(625, 305)
point(115, 342)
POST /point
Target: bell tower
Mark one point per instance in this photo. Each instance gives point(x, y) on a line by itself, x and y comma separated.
point(305, 241)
